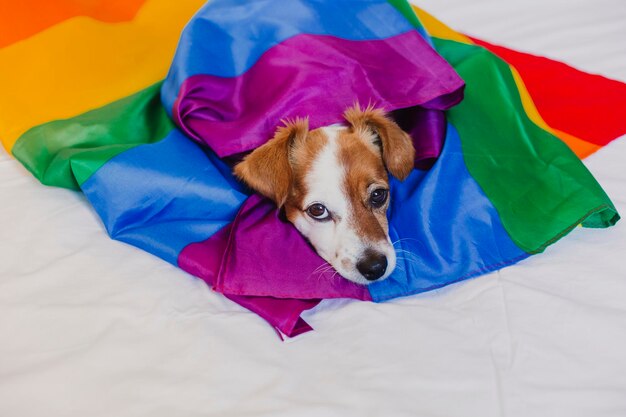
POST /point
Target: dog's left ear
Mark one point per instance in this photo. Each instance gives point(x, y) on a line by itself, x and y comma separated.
point(397, 147)
point(267, 169)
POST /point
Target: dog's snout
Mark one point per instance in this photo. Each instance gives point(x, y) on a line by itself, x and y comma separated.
point(373, 265)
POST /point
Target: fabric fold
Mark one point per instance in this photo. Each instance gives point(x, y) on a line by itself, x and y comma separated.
point(237, 114)
point(497, 175)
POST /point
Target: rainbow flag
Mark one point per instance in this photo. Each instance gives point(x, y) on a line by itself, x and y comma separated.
point(98, 97)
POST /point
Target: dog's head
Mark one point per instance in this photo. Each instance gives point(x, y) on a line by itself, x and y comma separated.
point(332, 183)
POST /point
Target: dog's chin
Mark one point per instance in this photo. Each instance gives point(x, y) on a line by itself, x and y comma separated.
point(357, 278)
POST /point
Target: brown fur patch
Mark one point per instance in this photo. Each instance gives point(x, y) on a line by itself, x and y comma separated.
point(301, 160)
point(363, 167)
point(279, 168)
point(267, 169)
point(397, 147)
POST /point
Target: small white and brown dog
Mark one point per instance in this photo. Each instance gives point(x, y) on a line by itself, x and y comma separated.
point(332, 183)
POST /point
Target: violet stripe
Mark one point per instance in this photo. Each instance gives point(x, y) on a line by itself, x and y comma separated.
point(223, 261)
point(204, 259)
point(259, 232)
point(315, 76)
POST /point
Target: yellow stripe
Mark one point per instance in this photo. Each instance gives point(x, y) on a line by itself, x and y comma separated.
point(438, 29)
point(82, 64)
point(580, 147)
point(527, 101)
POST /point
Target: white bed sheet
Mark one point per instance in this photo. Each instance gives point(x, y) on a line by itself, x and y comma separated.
point(94, 327)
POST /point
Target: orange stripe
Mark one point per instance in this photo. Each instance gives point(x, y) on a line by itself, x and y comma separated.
point(581, 148)
point(24, 18)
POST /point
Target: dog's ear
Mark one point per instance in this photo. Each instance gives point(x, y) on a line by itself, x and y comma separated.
point(267, 169)
point(397, 147)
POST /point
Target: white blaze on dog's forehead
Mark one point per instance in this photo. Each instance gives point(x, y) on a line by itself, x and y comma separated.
point(324, 180)
point(325, 184)
point(337, 241)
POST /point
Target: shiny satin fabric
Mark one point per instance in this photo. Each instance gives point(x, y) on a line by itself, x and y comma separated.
point(162, 196)
point(423, 124)
point(65, 153)
point(225, 38)
point(597, 120)
point(444, 225)
point(504, 186)
point(538, 185)
point(204, 260)
point(238, 114)
point(82, 64)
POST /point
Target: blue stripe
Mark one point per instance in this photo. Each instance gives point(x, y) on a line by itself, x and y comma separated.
point(226, 37)
point(163, 196)
point(447, 226)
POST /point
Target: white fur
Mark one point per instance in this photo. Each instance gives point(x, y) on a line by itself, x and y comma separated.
point(335, 240)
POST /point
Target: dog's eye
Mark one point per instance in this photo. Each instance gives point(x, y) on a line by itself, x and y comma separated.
point(378, 197)
point(318, 212)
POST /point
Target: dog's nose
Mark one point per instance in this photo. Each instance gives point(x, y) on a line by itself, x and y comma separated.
point(373, 265)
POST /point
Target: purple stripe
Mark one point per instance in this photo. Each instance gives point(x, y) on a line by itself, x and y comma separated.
point(258, 232)
point(229, 260)
point(204, 259)
point(281, 313)
point(315, 76)
point(427, 128)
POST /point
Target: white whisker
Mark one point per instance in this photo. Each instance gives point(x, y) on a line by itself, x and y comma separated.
point(409, 260)
point(403, 239)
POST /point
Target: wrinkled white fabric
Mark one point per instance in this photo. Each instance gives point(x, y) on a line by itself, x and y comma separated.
point(94, 327)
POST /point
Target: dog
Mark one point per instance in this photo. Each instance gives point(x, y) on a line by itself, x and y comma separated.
point(333, 186)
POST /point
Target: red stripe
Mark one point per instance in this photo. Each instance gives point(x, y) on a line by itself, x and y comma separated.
point(590, 107)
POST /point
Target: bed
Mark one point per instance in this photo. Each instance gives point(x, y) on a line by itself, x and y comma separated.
point(92, 326)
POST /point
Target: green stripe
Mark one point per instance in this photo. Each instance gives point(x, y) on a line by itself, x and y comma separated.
point(539, 187)
point(65, 153)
